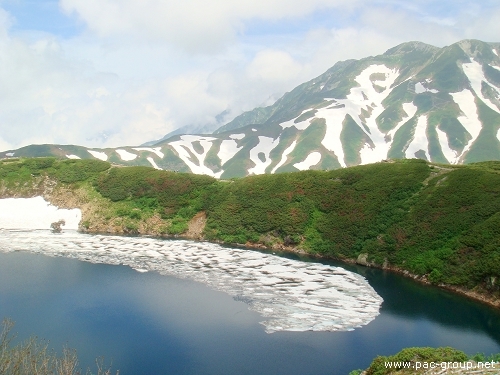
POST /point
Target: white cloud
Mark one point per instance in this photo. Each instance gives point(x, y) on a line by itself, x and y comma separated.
point(273, 66)
point(48, 98)
point(140, 69)
point(192, 25)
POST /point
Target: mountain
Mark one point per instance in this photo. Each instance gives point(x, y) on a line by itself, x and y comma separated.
point(413, 101)
point(206, 128)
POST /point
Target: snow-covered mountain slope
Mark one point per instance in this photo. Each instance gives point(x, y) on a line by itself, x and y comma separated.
point(414, 101)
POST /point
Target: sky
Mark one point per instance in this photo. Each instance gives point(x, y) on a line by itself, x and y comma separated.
point(109, 73)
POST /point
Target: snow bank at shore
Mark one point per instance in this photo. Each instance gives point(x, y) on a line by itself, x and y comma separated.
point(35, 213)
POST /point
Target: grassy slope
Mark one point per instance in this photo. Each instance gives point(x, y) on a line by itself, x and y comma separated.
point(437, 221)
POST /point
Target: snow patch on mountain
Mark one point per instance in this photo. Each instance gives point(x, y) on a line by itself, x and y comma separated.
point(410, 110)
point(284, 156)
point(470, 121)
point(186, 143)
point(364, 97)
point(334, 119)
point(265, 146)
point(152, 162)
point(98, 155)
point(475, 74)
point(73, 157)
point(156, 150)
point(302, 125)
point(312, 159)
point(228, 148)
point(419, 141)
point(494, 51)
point(419, 89)
point(498, 135)
point(125, 155)
point(237, 136)
point(450, 154)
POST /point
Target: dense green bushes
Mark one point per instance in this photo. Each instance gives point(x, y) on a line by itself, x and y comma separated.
point(18, 172)
point(414, 355)
point(175, 196)
point(420, 360)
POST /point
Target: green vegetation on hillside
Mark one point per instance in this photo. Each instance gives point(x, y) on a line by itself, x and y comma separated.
point(420, 360)
point(438, 221)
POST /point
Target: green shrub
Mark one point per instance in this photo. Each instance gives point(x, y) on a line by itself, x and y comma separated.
point(413, 355)
point(179, 225)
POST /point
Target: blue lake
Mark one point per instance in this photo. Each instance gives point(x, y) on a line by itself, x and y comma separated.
point(147, 323)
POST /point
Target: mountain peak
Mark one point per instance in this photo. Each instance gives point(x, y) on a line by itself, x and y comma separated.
point(411, 47)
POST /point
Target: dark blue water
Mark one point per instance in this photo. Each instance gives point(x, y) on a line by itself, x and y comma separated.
point(147, 323)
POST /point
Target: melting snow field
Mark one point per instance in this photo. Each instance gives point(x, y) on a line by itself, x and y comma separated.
point(99, 155)
point(311, 160)
point(419, 141)
point(35, 213)
point(290, 294)
point(125, 155)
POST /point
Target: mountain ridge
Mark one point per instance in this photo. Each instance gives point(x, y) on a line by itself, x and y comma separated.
point(413, 101)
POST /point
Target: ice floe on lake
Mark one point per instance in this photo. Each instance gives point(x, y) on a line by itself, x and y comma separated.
point(291, 295)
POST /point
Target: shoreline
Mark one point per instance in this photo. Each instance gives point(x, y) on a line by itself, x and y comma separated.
point(471, 294)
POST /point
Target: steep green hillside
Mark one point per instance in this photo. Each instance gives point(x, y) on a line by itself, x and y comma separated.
point(440, 222)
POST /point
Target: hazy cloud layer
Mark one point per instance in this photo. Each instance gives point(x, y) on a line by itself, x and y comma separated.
point(131, 71)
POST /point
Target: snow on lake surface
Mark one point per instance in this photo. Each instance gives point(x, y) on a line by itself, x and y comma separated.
point(291, 295)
